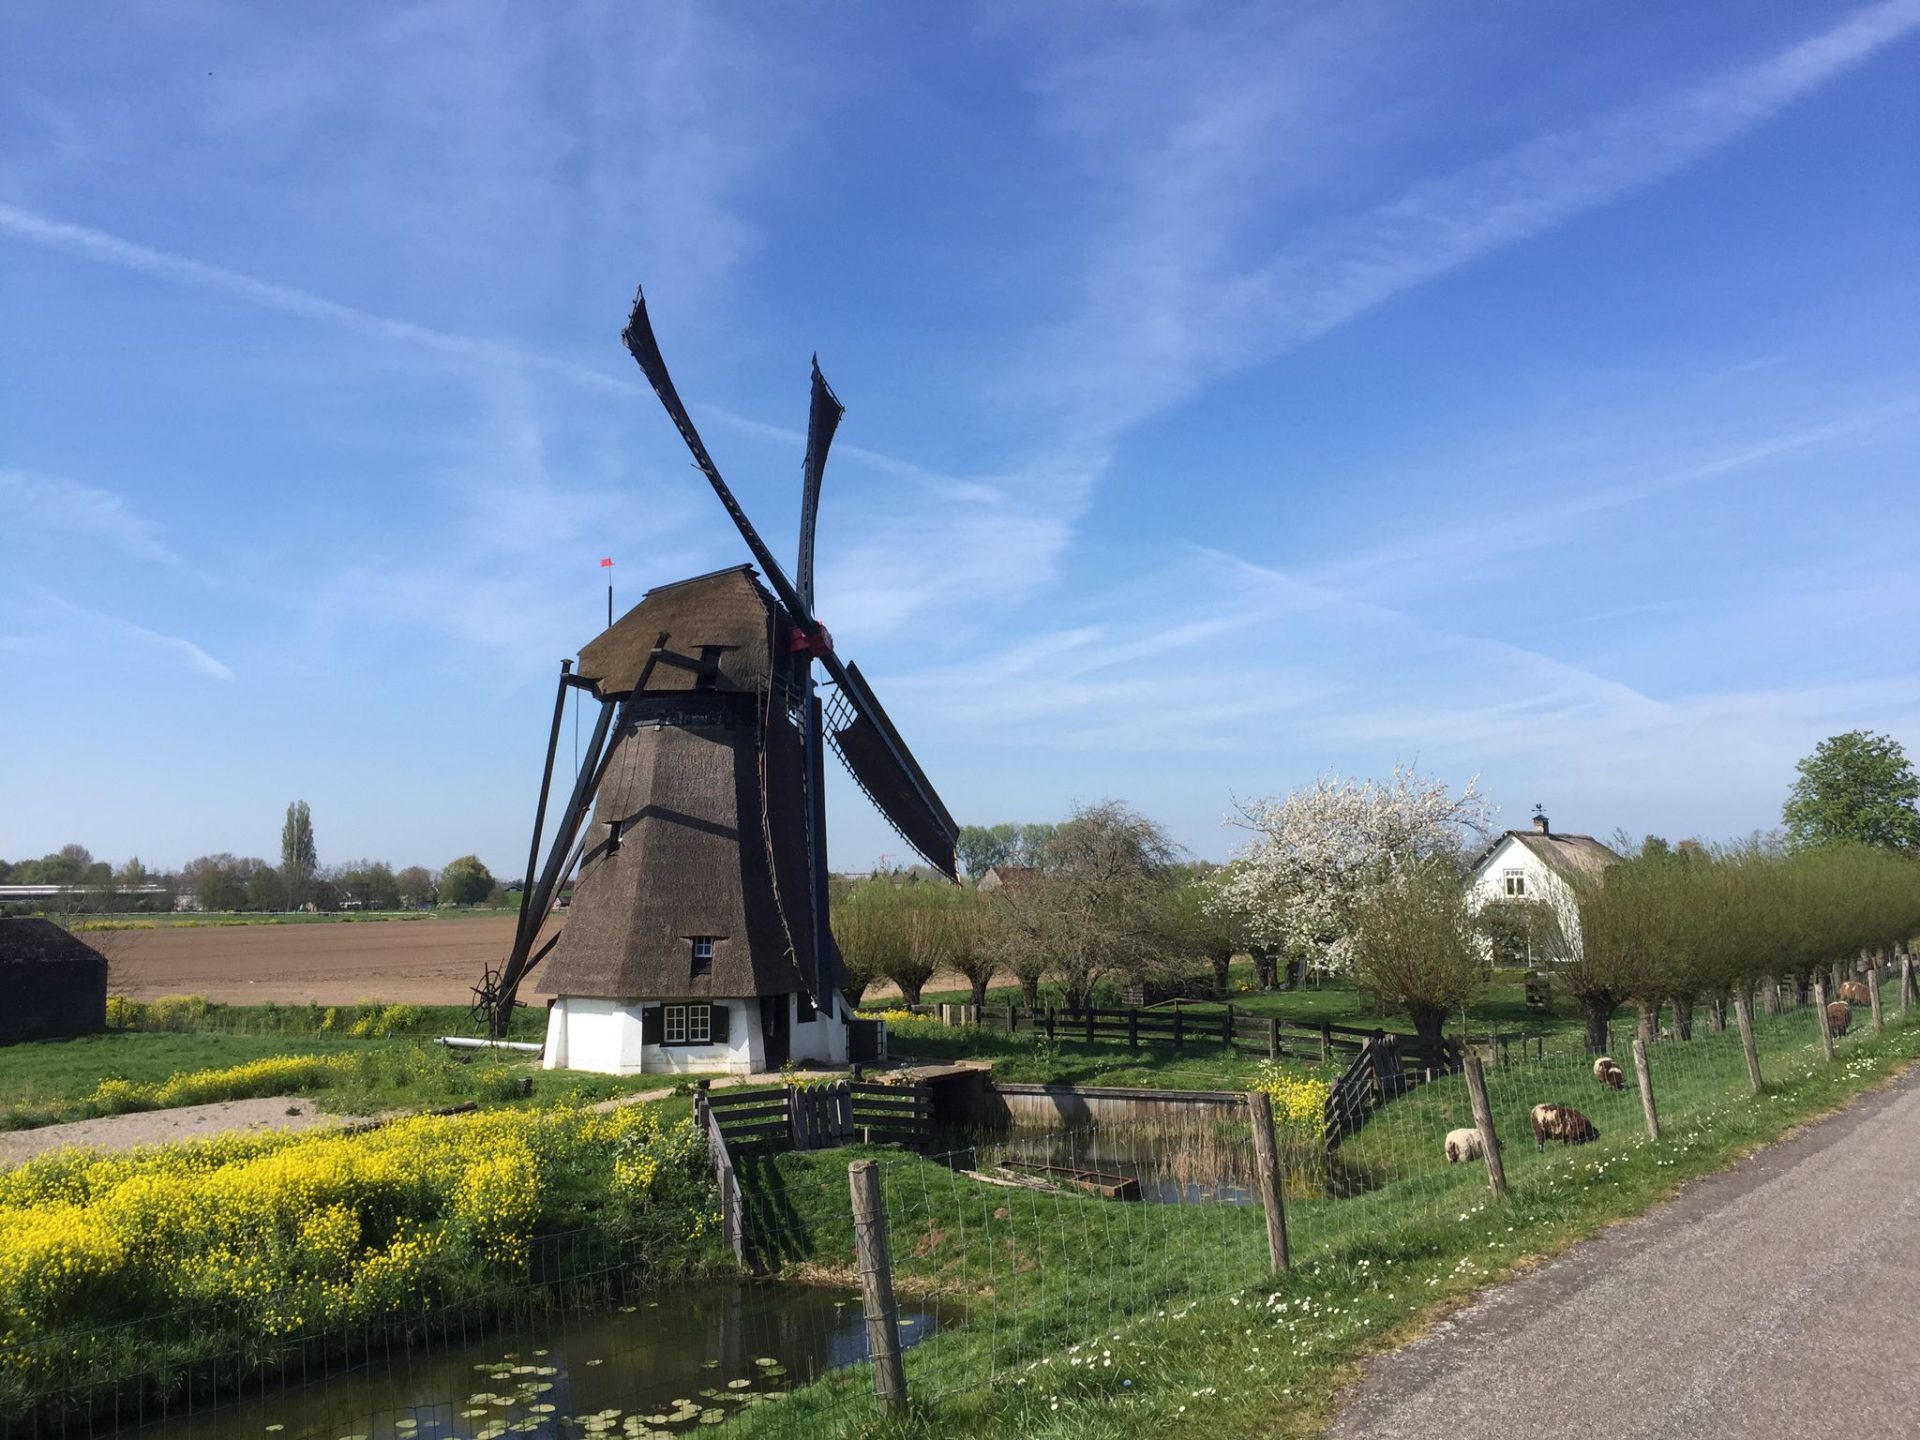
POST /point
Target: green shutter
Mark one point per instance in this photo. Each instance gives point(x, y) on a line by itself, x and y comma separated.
point(653, 1025)
point(719, 1015)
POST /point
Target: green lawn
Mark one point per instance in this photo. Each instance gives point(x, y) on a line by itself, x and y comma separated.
point(1097, 1318)
point(47, 1082)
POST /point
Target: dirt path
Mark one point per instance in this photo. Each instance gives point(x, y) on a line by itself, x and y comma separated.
point(150, 1127)
point(1777, 1300)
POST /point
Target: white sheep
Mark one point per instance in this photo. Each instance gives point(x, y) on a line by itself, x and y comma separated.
point(1464, 1145)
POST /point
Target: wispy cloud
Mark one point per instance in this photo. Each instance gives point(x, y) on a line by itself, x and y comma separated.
point(87, 243)
point(1171, 306)
point(51, 503)
point(104, 627)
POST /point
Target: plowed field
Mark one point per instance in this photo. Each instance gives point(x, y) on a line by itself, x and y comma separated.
point(423, 962)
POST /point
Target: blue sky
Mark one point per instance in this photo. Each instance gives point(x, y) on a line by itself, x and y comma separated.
point(1235, 394)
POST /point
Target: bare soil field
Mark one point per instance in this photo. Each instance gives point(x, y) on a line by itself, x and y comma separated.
point(420, 962)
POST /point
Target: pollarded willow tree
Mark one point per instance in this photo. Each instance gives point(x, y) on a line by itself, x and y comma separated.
point(1319, 854)
point(1415, 946)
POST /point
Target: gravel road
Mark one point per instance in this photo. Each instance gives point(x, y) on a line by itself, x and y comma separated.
point(1779, 1300)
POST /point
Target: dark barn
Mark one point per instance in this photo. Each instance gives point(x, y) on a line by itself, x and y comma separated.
point(55, 983)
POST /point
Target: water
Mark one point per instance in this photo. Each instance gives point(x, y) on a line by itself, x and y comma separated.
point(1172, 1165)
point(668, 1365)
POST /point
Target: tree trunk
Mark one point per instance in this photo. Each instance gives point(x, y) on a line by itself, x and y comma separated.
point(1683, 1016)
point(1075, 997)
point(1030, 992)
point(1717, 1015)
point(1802, 985)
point(1429, 1026)
point(1266, 964)
point(910, 991)
point(977, 993)
point(1598, 1012)
point(1649, 1026)
point(1296, 973)
point(1221, 984)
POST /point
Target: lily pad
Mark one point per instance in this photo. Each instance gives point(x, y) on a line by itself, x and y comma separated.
point(738, 1384)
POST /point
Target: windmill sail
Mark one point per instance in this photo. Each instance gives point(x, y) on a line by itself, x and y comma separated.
point(875, 755)
point(823, 418)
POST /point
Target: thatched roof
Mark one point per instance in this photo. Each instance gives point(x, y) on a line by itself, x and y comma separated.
point(726, 621)
point(37, 940)
point(1573, 857)
point(693, 859)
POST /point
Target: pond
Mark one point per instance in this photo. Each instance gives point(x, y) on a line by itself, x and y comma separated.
point(1173, 1165)
point(665, 1364)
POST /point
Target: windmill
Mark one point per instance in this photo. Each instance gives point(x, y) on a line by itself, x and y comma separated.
point(703, 872)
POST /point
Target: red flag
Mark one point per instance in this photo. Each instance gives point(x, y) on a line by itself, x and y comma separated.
point(606, 564)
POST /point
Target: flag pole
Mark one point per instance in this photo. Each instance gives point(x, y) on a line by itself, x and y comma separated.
point(607, 565)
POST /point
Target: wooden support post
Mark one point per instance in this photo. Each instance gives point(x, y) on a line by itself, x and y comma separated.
point(1326, 1043)
point(1906, 980)
point(1179, 1023)
point(1483, 1118)
point(1133, 1028)
point(1820, 1016)
point(1873, 993)
point(843, 1112)
point(1644, 1074)
point(875, 1267)
point(1089, 1014)
point(1743, 1013)
point(1226, 1028)
point(1270, 1178)
point(1273, 1037)
point(1049, 1022)
point(1013, 1018)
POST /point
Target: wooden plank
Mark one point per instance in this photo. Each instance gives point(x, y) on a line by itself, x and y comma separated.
point(733, 1099)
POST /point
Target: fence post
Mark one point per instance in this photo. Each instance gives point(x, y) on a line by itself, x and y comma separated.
point(796, 1117)
point(1873, 993)
point(843, 1112)
point(1906, 980)
point(1269, 1177)
point(1820, 1016)
point(1013, 1018)
point(1326, 1043)
point(1483, 1118)
point(1049, 1022)
point(1743, 1012)
point(1644, 1075)
point(1090, 1014)
point(876, 1284)
point(1273, 1034)
point(1179, 1026)
point(1226, 1027)
point(1133, 1028)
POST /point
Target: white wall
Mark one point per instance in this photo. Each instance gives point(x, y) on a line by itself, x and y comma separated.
point(590, 1033)
point(1542, 885)
point(824, 1038)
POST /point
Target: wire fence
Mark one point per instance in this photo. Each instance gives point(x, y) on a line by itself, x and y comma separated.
point(1012, 1259)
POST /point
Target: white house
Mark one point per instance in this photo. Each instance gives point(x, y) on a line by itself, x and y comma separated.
point(1535, 866)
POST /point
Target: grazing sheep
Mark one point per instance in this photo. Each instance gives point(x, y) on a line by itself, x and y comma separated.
point(1608, 1072)
point(1554, 1121)
point(1464, 1145)
point(1855, 992)
point(1839, 1017)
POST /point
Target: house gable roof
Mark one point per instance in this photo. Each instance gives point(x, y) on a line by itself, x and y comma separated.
point(1568, 856)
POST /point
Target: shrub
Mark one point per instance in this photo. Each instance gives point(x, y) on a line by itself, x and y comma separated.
point(1299, 1101)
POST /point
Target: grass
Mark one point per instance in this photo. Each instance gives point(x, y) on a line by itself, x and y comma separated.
point(1094, 1318)
point(53, 1081)
point(195, 1014)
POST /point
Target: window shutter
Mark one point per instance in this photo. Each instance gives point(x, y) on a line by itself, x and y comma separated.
point(653, 1025)
point(719, 1031)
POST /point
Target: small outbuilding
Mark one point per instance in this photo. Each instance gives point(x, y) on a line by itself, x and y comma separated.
point(54, 983)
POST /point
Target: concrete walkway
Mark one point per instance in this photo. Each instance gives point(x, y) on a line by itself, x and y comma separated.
point(1779, 1300)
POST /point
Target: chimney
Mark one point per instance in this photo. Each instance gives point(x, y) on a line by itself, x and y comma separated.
point(1540, 826)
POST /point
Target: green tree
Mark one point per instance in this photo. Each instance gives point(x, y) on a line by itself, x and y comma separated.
point(264, 889)
point(298, 858)
point(981, 847)
point(465, 881)
point(1857, 787)
point(1415, 947)
point(416, 886)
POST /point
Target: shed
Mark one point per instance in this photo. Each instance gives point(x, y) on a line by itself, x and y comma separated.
point(54, 982)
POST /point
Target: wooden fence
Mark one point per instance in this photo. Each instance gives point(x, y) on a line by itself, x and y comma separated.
point(817, 1117)
point(732, 1202)
point(1168, 1025)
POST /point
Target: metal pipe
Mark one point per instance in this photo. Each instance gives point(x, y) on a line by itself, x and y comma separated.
point(467, 1042)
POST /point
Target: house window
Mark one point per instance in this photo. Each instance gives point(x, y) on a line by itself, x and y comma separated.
point(689, 1025)
point(1516, 881)
point(702, 955)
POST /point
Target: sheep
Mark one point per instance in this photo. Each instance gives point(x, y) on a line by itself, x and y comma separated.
point(1464, 1145)
point(1608, 1072)
point(1839, 1017)
point(1554, 1121)
point(1855, 992)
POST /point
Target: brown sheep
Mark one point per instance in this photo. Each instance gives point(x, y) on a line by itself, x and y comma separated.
point(1608, 1072)
point(1855, 992)
point(1465, 1145)
point(1839, 1017)
point(1554, 1121)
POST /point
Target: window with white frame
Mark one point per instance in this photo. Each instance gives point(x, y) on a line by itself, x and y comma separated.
point(1516, 881)
point(702, 954)
point(688, 1025)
